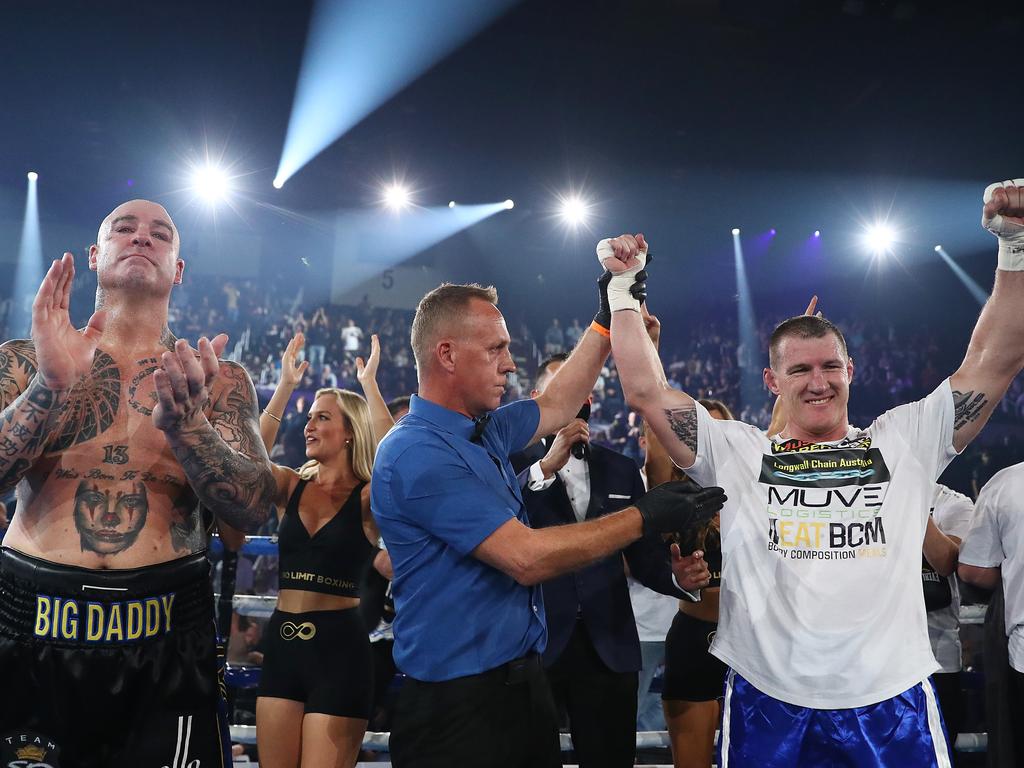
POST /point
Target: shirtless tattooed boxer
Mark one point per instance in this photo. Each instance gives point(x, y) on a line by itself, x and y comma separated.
point(114, 435)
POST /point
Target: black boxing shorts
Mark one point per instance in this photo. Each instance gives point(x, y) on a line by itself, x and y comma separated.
point(321, 658)
point(111, 668)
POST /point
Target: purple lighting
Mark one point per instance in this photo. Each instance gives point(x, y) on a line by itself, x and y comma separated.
point(772, 231)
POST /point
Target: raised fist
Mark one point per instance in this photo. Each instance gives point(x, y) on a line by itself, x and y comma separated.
point(625, 253)
point(1003, 214)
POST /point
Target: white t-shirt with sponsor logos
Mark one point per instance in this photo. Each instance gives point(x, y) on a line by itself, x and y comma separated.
point(996, 540)
point(952, 513)
point(821, 601)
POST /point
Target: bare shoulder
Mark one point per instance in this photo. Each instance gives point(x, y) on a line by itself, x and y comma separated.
point(17, 367)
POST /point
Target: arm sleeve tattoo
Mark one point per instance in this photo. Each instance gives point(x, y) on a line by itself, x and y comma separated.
point(225, 461)
point(25, 427)
point(967, 407)
point(683, 422)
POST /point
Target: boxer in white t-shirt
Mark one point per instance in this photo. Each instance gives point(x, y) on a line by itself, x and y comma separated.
point(994, 549)
point(822, 621)
point(951, 517)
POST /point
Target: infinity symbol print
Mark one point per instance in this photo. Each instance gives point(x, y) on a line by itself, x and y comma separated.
point(304, 631)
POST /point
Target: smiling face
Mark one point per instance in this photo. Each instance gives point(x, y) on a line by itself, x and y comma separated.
point(137, 248)
point(327, 430)
point(812, 378)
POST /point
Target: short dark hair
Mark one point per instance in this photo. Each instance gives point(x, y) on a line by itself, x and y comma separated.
point(438, 310)
point(803, 327)
point(542, 369)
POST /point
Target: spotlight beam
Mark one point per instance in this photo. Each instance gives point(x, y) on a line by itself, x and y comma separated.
point(29, 272)
point(750, 381)
point(359, 54)
point(972, 287)
point(370, 242)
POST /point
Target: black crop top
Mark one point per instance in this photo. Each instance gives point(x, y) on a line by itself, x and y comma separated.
point(334, 559)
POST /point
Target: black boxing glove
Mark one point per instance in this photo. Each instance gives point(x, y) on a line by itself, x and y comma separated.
point(638, 290)
point(603, 319)
point(678, 505)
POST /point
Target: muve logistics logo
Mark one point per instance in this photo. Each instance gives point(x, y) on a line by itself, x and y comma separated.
point(825, 502)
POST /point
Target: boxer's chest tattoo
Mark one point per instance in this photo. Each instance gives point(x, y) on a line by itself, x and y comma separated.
point(141, 392)
point(176, 483)
point(92, 405)
point(115, 454)
point(108, 517)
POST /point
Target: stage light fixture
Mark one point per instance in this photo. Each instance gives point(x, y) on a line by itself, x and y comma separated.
point(817, 233)
point(938, 249)
point(509, 205)
point(879, 238)
point(397, 197)
point(451, 203)
point(735, 231)
point(32, 175)
point(211, 183)
point(573, 210)
point(278, 183)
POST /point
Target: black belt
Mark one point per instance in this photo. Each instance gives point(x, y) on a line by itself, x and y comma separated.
point(513, 672)
point(518, 670)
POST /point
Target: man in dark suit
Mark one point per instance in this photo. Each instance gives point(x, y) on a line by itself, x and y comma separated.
point(593, 651)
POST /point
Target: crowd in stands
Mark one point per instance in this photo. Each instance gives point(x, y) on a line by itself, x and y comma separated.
point(893, 364)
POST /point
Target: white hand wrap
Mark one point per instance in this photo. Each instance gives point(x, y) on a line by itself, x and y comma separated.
point(619, 296)
point(1010, 233)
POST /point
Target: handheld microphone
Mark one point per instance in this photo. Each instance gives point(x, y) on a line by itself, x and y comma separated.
point(582, 450)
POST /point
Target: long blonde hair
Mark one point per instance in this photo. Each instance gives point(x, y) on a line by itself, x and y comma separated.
point(357, 416)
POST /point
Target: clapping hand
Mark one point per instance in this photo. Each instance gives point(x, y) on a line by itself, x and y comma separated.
point(183, 382)
point(63, 354)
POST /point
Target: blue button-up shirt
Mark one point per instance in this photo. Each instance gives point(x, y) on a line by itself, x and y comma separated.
point(436, 496)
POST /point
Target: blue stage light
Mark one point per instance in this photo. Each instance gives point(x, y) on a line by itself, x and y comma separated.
point(360, 53)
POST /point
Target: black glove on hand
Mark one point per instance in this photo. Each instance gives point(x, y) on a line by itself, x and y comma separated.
point(638, 290)
point(603, 317)
point(677, 505)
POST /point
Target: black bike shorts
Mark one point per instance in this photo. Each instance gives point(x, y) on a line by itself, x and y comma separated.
point(691, 672)
point(321, 658)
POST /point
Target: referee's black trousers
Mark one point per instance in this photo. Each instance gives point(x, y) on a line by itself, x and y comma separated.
point(503, 718)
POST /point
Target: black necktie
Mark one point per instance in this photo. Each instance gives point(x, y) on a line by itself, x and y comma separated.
point(479, 425)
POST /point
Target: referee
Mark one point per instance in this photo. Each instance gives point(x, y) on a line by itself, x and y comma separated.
point(470, 622)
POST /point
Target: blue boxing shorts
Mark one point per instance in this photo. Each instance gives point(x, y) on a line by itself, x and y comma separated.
point(758, 730)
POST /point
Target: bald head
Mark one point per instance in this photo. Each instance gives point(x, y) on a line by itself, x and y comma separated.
point(136, 253)
point(136, 212)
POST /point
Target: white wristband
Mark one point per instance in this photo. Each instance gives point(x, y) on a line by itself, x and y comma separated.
point(1010, 233)
point(619, 296)
point(1011, 255)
